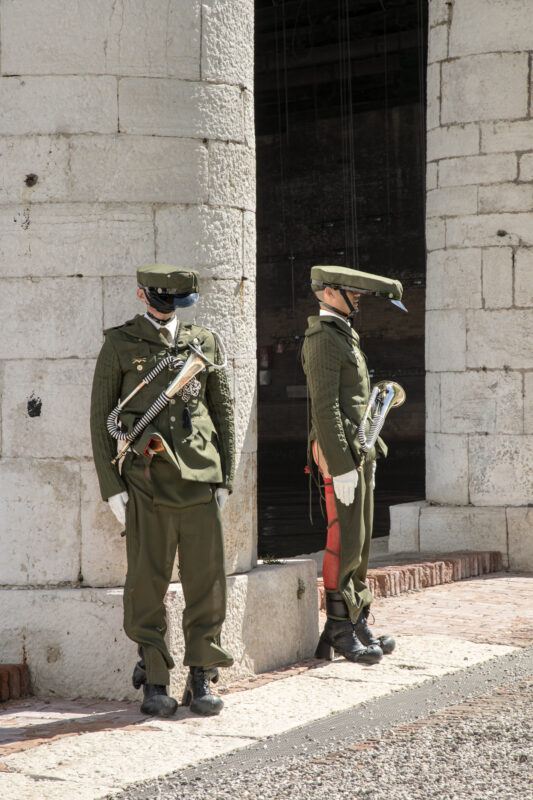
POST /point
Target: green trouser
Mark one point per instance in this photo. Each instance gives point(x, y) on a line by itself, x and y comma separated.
point(165, 512)
point(355, 523)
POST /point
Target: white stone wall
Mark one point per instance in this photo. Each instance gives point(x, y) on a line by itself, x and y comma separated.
point(479, 319)
point(126, 136)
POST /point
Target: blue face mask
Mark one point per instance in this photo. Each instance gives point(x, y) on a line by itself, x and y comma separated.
point(165, 302)
point(185, 300)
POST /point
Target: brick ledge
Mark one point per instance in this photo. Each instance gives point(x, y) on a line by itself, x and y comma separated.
point(433, 571)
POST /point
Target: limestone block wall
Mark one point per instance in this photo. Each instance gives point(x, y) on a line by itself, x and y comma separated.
point(479, 317)
point(126, 136)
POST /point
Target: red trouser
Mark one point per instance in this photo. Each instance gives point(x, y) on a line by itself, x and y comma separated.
point(331, 562)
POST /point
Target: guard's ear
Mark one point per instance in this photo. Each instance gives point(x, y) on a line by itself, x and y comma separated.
point(141, 295)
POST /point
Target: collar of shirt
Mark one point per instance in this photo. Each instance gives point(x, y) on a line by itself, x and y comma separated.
point(325, 313)
point(170, 326)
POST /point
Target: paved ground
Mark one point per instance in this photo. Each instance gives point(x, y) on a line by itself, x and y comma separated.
point(57, 750)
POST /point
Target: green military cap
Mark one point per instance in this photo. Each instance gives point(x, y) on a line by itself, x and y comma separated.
point(354, 280)
point(171, 280)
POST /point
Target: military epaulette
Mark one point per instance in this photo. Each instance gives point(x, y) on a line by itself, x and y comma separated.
point(120, 327)
point(316, 327)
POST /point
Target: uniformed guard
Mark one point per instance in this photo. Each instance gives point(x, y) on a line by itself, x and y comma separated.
point(339, 390)
point(177, 471)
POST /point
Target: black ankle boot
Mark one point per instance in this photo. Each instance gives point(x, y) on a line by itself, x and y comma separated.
point(156, 701)
point(139, 674)
point(197, 692)
point(367, 637)
point(339, 636)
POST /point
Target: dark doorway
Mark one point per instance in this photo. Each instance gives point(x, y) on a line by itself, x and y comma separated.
point(340, 104)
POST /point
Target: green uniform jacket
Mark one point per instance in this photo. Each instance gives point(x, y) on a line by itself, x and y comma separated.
point(130, 351)
point(339, 389)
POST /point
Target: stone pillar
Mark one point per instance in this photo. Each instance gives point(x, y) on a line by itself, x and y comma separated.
point(479, 302)
point(126, 137)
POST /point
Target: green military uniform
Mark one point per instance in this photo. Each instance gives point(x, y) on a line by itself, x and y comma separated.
point(339, 390)
point(171, 493)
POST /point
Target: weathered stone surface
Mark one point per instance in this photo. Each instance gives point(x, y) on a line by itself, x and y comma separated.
point(69, 104)
point(505, 197)
point(520, 527)
point(103, 549)
point(452, 201)
point(45, 413)
point(170, 107)
point(433, 402)
point(249, 118)
point(433, 95)
point(432, 176)
point(59, 627)
point(446, 471)
point(437, 43)
point(528, 402)
point(493, 86)
point(500, 470)
point(231, 175)
point(245, 390)
point(490, 230)
point(39, 536)
point(42, 156)
point(481, 402)
point(133, 37)
point(477, 169)
point(454, 279)
point(526, 167)
point(130, 168)
point(404, 533)
point(249, 246)
point(51, 329)
point(445, 340)
point(210, 239)
point(439, 11)
point(497, 277)
point(240, 517)
point(228, 41)
point(120, 300)
point(524, 277)
point(498, 339)
point(448, 529)
point(484, 26)
point(435, 234)
point(452, 140)
point(58, 239)
point(501, 137)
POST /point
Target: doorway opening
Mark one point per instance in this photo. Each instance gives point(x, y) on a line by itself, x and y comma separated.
point(340, 127)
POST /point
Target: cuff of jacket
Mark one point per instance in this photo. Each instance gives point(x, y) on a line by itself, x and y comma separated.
point(111, 484)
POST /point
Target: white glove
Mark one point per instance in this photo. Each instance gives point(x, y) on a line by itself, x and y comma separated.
point(221, 496)
point(345, 486)
point(117, 504)
point(373, 478)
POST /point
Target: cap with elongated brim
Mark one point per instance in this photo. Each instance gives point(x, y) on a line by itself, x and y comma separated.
point(354, 280)
point(171, 280)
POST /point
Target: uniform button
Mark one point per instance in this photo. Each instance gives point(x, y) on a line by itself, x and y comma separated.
point(139, 367)
point(172, 402)
point(173, 419)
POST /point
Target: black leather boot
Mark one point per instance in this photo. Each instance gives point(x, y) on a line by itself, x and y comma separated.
point(156, 701)
point(339, 636)
point(197, 692)
point(139, 674)
point(367, 637)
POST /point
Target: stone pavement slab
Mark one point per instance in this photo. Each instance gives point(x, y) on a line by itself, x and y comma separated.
point(57, 750)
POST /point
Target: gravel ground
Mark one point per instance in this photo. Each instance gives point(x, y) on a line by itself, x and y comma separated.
point(480, 749)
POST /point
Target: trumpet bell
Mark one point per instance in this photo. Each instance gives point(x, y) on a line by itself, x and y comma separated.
point(399, 392)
